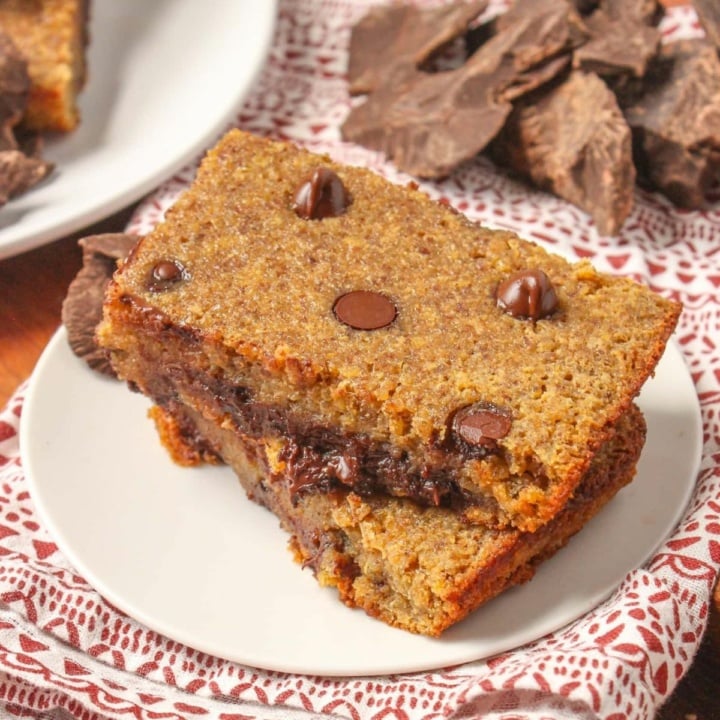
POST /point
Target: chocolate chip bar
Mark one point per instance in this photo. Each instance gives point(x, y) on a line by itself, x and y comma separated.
point(356, 350)
point(53, 36)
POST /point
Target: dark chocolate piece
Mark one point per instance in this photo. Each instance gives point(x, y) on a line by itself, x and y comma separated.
point(430, 123)
point(165, 274)
point(365, 310)
point(676, 123)
point(648, 12)
point(321, 196)
point(403, 34)
point(18, 173)
point(574, 142)
point(708, 12)
point(82, 307)
point(30, 143)
point(617, 46)
point(586, 7)
point(527, 294)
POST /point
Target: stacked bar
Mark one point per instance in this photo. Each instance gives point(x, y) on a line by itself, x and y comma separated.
point(429, 407)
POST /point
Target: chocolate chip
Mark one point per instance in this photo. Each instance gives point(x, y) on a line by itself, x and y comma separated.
point(527, 294)
point(321, 196)
point(482, 423)
point(365, 310)
point(166, 273)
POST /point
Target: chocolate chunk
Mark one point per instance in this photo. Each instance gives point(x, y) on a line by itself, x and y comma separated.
point(585, 7)
point(557, 28)
point(527, 294)
point(111, 246)
point(430, 123)
point(676, 123)
point(416, 122)
point(617, 46)
point(165, 274)
point(18, 173)
point(403, 34)
point(321, 196)
point(708, 12)
point(574, 142)
point(365, 310)
point(648, 12)
point(481, 424)
point(82, 307)
point(30, 143)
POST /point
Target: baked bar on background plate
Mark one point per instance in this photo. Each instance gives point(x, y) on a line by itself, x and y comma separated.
point(52, 35)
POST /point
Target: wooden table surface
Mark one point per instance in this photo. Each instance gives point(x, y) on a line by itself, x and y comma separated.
point(32, 287)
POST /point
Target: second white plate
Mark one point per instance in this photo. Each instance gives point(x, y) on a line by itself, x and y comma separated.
point(186, 553)
point(164, 79)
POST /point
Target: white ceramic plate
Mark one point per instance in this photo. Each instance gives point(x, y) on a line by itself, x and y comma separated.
point(184, 551)
point(164, 79)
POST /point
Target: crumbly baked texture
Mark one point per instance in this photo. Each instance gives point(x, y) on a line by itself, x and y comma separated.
point(229, 307)
point(52, 35)
point(418, 568)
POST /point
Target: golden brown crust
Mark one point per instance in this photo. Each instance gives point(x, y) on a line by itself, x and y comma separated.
point(52, 35)
point(255, 309)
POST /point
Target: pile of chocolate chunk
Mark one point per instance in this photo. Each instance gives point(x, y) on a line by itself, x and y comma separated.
point(21, 165)
point(580, 97)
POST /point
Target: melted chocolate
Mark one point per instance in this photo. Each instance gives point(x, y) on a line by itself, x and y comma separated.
point(322, 459)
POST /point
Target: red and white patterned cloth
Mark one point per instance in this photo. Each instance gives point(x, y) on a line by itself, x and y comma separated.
point(65, 652)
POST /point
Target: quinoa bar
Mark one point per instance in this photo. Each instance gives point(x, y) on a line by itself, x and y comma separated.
point(358, 351)
point(496, 373)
